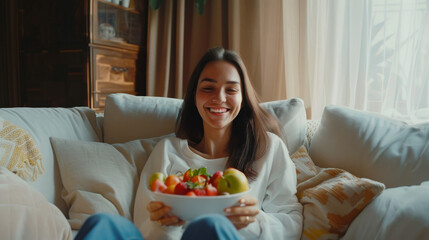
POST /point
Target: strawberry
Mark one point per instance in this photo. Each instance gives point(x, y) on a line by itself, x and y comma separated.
point(187, 175)
point(191, 194)
point(216, 177)
point(181, 188)
point(211, 190)
point(200, 191)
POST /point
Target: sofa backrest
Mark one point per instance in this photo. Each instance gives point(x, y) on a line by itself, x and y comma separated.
point(77, 123)
point(128, 117)
point(372, 146)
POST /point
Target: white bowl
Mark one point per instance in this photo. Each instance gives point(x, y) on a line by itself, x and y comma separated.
point(188, 208)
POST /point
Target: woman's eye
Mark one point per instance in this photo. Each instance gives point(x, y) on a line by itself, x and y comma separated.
point(207, 89)
point(232, 90)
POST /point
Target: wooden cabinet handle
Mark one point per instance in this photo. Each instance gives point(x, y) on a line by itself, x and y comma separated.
point(119, 69)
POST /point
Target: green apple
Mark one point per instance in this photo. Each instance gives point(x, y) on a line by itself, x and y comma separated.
point(157, 175)
point(232, 181)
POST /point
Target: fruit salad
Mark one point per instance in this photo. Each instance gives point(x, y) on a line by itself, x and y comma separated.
point(197, 182)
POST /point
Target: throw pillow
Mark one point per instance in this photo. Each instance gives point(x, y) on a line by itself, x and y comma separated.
point(99, 177)
point(18, 152)
point(372, 146)
point(77, 123)
point(331, 197)
point(26, 214)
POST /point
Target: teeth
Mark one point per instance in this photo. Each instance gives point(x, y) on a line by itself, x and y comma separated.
point(217, 110)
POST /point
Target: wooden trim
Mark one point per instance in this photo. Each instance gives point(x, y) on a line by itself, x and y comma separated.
point(9, 55)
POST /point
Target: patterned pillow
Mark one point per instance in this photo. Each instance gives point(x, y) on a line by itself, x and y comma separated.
point(331, 197)
point(18, 152)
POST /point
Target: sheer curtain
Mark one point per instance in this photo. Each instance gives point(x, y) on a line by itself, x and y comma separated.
point(371, 55)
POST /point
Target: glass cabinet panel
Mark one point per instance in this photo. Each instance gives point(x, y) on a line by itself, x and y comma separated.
point(116, 25)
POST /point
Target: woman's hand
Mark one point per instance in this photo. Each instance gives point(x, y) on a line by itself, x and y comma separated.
point(160, 213)
point(244, 214)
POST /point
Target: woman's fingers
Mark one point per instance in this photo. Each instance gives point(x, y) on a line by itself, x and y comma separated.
point(157, 210)
point(248, 200)
point(241, 221)
point(153, 206)
point(243, 214)
point(160, 213)
point(171, 221)
point(247, 206)
point(242, 211)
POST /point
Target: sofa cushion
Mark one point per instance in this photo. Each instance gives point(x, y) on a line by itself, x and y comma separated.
point(25, 213)
point(372, 146)
point(398, 213)
point(41, 123)
point(18, 151)
point(99, 177)
point(331, 197)
point(292, 119)
point(128, 117)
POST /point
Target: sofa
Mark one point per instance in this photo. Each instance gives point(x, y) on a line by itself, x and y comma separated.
point(360, 175)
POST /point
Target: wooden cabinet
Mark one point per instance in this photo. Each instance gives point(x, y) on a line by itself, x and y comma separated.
point(52, 52)
point(71, 53)
point(116, 39)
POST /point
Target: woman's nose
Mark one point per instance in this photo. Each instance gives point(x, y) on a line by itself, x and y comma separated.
point(220, 97)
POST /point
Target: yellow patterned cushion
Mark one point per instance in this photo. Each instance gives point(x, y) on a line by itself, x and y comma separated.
point(331, 197)
point(18, 152)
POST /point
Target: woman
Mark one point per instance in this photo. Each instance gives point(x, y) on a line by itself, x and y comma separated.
point(222, 125)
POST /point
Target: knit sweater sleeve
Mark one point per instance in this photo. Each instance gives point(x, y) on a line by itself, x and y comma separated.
point(157, 162)
point(280, 214)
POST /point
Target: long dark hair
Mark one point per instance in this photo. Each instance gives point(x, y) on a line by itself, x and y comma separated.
point(249, 139)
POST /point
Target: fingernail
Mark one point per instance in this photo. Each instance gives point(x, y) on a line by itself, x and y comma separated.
point(242, 201)
point(227, 209)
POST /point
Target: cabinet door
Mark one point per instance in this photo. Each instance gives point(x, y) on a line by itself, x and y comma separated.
point(113, 71)
point(117, 25)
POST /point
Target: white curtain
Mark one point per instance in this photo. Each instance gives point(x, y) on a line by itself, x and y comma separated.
point(369, 54)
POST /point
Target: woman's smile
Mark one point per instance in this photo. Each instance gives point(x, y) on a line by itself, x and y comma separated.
point(217, 110)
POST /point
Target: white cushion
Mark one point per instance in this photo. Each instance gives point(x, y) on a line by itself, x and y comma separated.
point(398, 213)
point(372, 146)
point(128, 117)
point(292, 119)
point(41, 123)
point(25, 213)
point(99, 177)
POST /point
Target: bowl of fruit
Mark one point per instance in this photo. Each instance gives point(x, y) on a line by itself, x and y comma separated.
point(197, 192)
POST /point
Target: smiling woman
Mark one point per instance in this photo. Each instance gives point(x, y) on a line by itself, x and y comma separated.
point(250, 124)
point(221, 125)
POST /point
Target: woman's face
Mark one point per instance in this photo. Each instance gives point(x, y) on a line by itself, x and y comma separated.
point(218, 96)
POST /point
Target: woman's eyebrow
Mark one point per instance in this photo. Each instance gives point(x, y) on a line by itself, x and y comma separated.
point(208, 80)
point(214, 81)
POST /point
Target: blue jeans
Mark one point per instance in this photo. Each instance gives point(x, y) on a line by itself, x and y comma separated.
point(115, 227)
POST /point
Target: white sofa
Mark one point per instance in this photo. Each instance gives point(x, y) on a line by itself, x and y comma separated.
point(366, 145)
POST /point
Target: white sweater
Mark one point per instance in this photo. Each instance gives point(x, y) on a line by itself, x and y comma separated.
point(275, 188)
